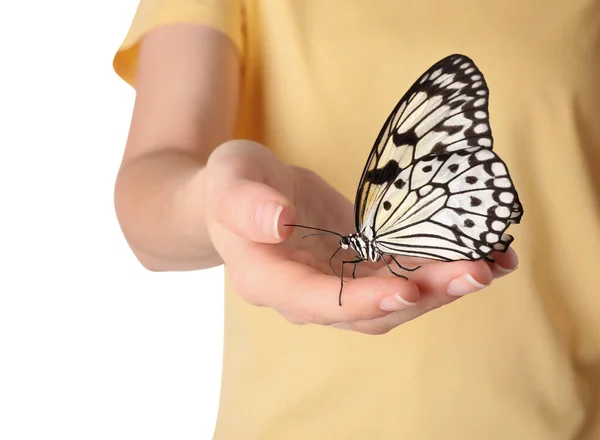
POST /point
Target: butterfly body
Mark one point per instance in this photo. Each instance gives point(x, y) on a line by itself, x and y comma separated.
point(365, 249)
point(432, 186)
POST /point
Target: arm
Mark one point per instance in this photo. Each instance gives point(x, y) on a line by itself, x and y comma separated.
point(185, 106)
point(188, 197)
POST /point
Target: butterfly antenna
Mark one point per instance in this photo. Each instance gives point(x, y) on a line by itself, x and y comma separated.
point(316, 229)
point(316, 234)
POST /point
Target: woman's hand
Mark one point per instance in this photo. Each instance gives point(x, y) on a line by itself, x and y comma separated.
point(250, 195)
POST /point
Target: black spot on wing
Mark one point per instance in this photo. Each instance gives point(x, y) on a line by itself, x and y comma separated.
point(438, 149)
point(408, 138)
point(387, 174)
point(399, 183)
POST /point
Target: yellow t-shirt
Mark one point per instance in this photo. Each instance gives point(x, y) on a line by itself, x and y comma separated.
point(520, 360)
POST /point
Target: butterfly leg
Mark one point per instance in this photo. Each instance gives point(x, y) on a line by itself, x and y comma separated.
point(392, 270)
point(355, 262)
point(330, 259)
point(402, 267)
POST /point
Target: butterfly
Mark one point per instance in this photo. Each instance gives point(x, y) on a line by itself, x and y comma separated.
point(432, 186)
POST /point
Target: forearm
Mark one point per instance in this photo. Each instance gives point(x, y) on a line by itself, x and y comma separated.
point(160, 207)
point(187, 80)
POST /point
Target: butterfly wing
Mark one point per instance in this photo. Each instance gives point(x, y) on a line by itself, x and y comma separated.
point(432, 186)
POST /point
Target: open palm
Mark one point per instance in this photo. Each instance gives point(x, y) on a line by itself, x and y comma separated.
point(251, 195)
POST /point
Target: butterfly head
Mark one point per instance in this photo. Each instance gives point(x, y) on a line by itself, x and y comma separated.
point(345, 242)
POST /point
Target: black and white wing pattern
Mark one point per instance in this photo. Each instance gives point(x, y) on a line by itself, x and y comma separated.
point(432, 186)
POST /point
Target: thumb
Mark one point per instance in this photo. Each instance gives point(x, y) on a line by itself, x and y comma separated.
point(256, 211)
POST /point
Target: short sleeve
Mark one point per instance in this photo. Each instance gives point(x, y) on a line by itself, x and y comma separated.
point(225, 16)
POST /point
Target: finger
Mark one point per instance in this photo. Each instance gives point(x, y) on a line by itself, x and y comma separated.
point(505, 263)
point(240, 196)
point(454, 279)
point(440, 284)
point(292, 318)
point(312, 296)
point(256, 211)
point(383, 325)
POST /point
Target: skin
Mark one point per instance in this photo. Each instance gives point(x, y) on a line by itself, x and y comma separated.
point(188, 197)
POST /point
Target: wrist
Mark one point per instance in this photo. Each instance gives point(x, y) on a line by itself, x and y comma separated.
point(160, 207)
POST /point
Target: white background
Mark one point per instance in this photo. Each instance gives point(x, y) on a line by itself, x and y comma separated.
point(92, 346)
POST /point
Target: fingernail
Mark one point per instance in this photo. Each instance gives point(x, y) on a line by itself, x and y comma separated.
point(394, 303)
point(504, 270)
point(464, 284)
point(511, 262)
point(267, 218)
